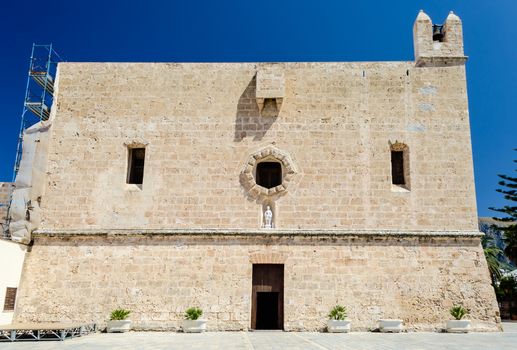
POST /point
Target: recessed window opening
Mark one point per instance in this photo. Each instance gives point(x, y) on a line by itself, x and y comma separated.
point(136, 160)
point(269, 174)
point(438, 32)
point(397, 168)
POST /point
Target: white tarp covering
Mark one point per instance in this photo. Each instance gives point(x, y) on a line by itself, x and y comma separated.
point(24, 205)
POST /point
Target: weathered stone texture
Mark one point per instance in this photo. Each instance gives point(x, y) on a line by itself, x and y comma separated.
point(201, 123)
point(158, 277)
point(5, 195)
point(373, 245)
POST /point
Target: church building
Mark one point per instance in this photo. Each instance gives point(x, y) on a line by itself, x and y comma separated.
point(263, 193)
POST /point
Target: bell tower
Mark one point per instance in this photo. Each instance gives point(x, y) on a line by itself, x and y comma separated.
point(437, 44)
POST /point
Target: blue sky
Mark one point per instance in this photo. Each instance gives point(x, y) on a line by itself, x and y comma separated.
point(212, 31)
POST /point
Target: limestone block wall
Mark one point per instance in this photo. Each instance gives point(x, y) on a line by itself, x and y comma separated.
point(201, 122)
point(5, 195)
point(414, 278)
point(444, 52)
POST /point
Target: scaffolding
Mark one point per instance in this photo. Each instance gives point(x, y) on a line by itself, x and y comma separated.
point(39, 94)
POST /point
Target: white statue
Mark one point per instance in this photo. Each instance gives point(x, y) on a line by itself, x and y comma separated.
point(268, 218)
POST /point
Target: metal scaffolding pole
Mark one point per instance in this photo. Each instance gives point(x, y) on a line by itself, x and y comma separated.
point(39, 94)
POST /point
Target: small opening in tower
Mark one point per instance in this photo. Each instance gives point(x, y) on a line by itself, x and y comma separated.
point(438, 33)
point(269, 174)
point(136, 160)
point(397, 168)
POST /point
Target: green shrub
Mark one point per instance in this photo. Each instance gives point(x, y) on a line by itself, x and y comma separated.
point(458, 312)
point(506, 289)
point(193, 313)
point(338, 313)
point(119, 314)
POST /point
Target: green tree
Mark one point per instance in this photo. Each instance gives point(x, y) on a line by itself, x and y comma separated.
point(492, 254)
point(509, 191)
point(507, 289)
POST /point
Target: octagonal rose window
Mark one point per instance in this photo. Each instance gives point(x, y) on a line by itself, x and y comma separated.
point(267, 172)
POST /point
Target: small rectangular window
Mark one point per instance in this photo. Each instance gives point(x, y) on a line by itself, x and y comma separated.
point(136, 160)
point(397, 168)
point(10, 299)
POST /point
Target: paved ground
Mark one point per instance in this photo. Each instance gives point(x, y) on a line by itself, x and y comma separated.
point(282, 341)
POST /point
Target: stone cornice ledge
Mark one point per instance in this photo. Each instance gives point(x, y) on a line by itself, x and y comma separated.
point(252, 233)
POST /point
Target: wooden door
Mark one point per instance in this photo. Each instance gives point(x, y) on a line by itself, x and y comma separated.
point(267, 306)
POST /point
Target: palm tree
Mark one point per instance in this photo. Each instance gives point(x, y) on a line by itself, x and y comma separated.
point(492, 254)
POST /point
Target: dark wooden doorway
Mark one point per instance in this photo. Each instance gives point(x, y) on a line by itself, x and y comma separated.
point(267, 306)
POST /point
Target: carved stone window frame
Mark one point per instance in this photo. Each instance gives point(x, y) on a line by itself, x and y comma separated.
point(268, 153)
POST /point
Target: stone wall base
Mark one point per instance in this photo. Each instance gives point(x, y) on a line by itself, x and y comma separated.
point(417, 279)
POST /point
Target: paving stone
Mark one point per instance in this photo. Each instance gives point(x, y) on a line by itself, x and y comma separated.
point(283, 341)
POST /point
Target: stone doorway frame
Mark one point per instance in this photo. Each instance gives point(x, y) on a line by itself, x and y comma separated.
point(267, 278)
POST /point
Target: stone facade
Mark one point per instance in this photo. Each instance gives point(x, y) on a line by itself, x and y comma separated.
point(201, 123)
point(191, 232)
point(413, 278)
point(5, 195)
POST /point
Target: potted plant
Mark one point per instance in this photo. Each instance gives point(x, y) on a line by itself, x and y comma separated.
point(192, 322)
point(118, 321)
point(390, 325)
point(458, 325)
point(336, 322)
